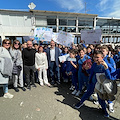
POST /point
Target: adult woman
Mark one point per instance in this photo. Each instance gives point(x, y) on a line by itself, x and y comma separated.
point(15, 52)
point(41, 64)
point(6, 67)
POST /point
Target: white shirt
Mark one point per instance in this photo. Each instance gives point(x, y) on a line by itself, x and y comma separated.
point(52, 54)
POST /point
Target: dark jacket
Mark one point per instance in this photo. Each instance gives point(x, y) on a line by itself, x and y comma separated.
point(57, 54)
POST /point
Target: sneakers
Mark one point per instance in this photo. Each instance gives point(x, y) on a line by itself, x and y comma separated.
point(8, 95)
point(33, 85)
point(72, 87)
point(91, 98)
point(105, 113)
point(118, 84)
point(78, 93)
point(16, 89)
point(111, 109)
point(79, 105)
point(48, 84)
point(28, 87)
point(23, 88)
point(74, 92)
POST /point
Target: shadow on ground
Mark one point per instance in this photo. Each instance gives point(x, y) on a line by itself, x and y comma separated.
point(86, 113)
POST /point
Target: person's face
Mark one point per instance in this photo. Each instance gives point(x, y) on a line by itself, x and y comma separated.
point(99, 58)
point(91, 46)
point(66, 50)
point(16, 45)
point(105, 52)
point(94, 58)
point(36, 47)
point(82, 53)
point(41, 49)
point(6, 44)
point(88, 50)
point(52, 44)
point(72, 55)
point(85, 50)
point(29, 45)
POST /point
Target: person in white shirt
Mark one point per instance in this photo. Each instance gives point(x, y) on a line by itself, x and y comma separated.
point(41, 64)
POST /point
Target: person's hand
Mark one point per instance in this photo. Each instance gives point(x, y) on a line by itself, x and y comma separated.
point(70, 73)
point(104, 64)
point(87, 66)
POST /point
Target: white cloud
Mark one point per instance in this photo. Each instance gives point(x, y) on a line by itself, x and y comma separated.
point(109, 8)
point(71, 5)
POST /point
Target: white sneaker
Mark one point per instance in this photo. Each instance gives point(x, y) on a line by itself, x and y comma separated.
point(78, 93)
point(95, 95)
point(118, 84)
point(8, 95)
point(74, 92)
point(111, 109)
point(71, 88)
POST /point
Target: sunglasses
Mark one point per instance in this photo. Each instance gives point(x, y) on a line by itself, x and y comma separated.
point(6, 43)
point(17, 43)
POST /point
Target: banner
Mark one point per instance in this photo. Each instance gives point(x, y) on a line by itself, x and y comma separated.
point(43, 34)
point(91, 36)
point(65, 38)
point(55, 37)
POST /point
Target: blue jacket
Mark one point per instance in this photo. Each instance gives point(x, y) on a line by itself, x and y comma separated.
point(113, 76)
point(57, 54)
point(97, 69)
point(111, 63)
point(80, 61)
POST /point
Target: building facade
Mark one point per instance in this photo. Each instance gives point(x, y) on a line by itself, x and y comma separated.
point(16, 24)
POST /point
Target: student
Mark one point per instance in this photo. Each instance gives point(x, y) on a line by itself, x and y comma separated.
point(71, 70)
point(98, 67)
point(111, 66)
point(63, 66)
point(82, 78)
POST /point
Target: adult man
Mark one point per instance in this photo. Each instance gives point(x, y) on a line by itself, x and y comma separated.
point(53, 62)
point(28, 55)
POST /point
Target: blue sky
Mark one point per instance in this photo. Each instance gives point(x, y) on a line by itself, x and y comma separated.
point(104, 8)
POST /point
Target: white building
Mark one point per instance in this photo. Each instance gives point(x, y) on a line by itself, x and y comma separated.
point(16, 24)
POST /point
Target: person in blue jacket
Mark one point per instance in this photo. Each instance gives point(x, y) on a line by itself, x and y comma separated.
point(71, 70)
point(63, 66)
point(82, 78)
point(112, 67)
point(99, 66)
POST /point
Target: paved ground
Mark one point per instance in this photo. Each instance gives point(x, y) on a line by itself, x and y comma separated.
point(44, 103)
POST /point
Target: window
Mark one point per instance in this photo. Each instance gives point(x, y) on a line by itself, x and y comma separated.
point(51, 21)
point(62, 21)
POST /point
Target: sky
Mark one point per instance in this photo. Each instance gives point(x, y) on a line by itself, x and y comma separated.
point(103, 8)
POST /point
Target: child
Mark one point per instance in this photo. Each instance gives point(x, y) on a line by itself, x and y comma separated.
point(71, 71)
point(98, 67)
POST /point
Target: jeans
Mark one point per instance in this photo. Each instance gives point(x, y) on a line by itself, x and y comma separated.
point(5, 88)
point(54, 71)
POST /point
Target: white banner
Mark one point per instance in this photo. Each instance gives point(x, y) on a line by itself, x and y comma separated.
point(65, 38)
point(43, 34)
point(91, 36)
point(55, 37)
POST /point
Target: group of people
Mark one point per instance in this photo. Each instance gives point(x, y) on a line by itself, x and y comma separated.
point(30, 63)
